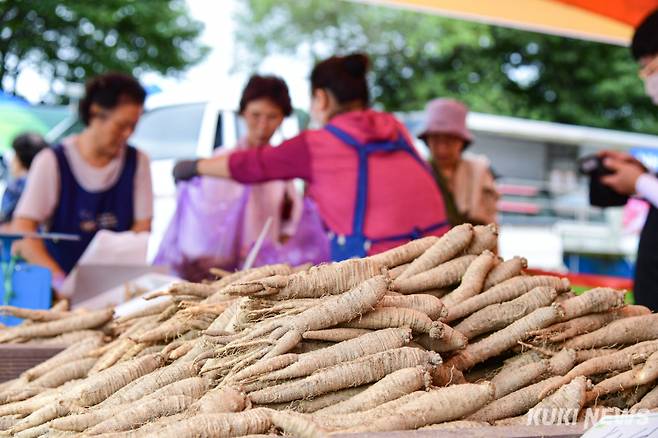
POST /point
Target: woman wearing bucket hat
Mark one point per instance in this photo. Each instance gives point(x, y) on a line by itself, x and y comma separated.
point(466, 181)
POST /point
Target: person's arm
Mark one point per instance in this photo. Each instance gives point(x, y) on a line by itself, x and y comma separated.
point(620, 156)
point(289, 160)
point(490, 198)
point(646, 186)
point(142, 195)
point(34, 250)
point(36, 205)
point(625, 176)
point(216, 166)
point(631, 177)
point(143, 225)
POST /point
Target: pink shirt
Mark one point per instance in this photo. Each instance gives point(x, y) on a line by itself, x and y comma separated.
point(41, 194)
point(402, 194)
point(647, 187)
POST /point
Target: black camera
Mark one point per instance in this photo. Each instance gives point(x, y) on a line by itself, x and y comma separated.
point(600, 195)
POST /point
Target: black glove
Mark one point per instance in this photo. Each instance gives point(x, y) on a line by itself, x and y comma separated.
point(185, 170)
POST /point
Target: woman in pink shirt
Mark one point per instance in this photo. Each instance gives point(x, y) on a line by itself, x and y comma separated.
point(217, 221)
point(372, 189)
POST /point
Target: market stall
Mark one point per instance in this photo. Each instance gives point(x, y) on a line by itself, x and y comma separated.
point(435, 335)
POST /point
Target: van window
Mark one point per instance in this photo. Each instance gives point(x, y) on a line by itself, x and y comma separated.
point(169, 132)
point(240, 126)
point(219, 133)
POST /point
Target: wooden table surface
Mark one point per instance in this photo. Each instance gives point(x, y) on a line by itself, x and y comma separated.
point(16, 358)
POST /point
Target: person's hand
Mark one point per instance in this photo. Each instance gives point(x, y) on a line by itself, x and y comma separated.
point(284, 238)
point(624, 176)
point(185, 170)
point(621, 156)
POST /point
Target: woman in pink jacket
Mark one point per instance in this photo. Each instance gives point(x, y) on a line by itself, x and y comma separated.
point(372, 189)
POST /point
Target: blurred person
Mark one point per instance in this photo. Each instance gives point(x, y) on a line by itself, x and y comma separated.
point(372, 189)
point(630, 177)
point(25, 147)
point(466, 181)
point(217, 221)
point(89, 182)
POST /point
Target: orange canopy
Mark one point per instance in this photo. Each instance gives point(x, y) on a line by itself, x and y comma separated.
point(626, 11)
point(610, 21)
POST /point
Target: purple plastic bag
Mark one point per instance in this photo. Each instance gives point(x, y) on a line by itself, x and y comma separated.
point(310, 244)
point(207, 231)
point(206, 228)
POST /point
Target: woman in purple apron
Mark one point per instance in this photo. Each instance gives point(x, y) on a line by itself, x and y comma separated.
point(90, 182)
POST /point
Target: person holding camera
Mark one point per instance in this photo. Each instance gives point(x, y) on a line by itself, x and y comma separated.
point(627, 176)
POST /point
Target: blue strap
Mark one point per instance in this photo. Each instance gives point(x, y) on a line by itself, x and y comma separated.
point(400, 144)
point(363, 150)
point(417, 233)
point(343, 136)
point(362, 178)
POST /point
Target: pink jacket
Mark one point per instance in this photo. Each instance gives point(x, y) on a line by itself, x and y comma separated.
point(402, 194)
point(217, 221)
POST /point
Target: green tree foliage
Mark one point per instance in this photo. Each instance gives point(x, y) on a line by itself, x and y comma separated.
point(417, 57)
point(70, 40)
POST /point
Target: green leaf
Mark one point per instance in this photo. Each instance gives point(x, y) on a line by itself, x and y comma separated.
point(417, 57)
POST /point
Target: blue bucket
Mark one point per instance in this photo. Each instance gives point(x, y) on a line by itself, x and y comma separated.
point(30, 290)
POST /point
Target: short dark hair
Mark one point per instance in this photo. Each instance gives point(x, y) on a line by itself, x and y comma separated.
point(267, 87)
point(27, 146)
point(108, 91)
point(645, 39)
point(344, 76)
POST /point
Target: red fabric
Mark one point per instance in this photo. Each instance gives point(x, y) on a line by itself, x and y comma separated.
point(589, 280)
point(627, 11)
point(289, 160)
